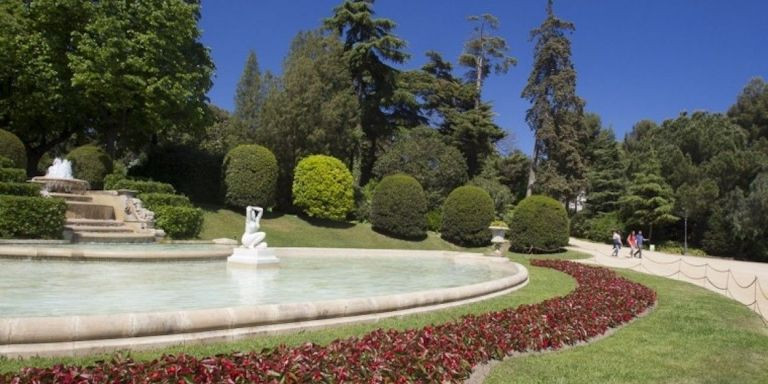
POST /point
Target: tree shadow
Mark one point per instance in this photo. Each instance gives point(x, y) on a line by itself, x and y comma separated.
point(398, 237)
point(325, 223)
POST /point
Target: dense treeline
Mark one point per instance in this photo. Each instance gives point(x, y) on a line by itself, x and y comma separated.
point(131, 77)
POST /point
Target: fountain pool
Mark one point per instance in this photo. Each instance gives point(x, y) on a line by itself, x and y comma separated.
point(67, 307)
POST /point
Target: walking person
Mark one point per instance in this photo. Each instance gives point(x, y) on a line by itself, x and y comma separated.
point(639, 244)
point(632, 242)
point(616, 244)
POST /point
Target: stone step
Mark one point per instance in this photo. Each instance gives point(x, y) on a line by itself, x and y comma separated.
point(71, 197)
point(102, 237)
point(85, 210)
point(92, 222)
point(98, 228)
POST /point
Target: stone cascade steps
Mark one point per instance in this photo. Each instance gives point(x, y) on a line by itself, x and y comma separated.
point(87, 210)
point(71, 197)
point(90, 219)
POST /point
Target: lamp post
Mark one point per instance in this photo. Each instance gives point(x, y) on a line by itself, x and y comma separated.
point(685, 231)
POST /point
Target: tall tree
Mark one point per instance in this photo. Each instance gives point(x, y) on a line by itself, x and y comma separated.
point(485, 52)
point(751, 109)
point(249, 97)
point(369, 45)
point(313, 109)
point(38, 101)
point(141, 67)
point(605, 171)
point(649, 200)
point(556, 112)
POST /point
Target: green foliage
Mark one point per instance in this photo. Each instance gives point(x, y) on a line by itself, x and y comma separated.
point(649, 200)
point(249, 98)
point(363, 198)
point(110, 181)
point(438, 167)
point(467, 212)
point(539, 224)
point(250, 176)
point(179, 222)
point(597, 228)
point(6, 162)
point(190, 170)
point(142, 186)
point(605, 171)
point(31, 217)
point(513, 172)
point(12, 175)
point(485, 52)
point(154, 200)
point(323, 187)
point(489, 180)
point(90, 163)
point(313, 111)
point(556, 112)
point(19, 189)
point(751, 109)
point(12, 148)
point(435, 220)
point(399, 207)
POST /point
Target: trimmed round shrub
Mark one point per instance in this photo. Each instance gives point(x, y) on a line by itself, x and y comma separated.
point(23, 217)
point(323, 187)
point(467, 213)
point(153, 200)
point(250, 176)
point(90, 163)
point(12, 148)
point(399, 207)
point(539, 224)
point(6, 162)
point(179, 222)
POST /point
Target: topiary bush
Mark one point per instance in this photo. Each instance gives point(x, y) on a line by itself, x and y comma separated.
point(12, 175)
point(154, 200)
point(12, 148)
point(539, 224)
point(23, 217)
point(323, 187)
point(179, 222)
point(250, 176)
point(19, 189)
point(6, 162)
point(90, 163)
point(467, 212)
point(399, 207)
point(142, 186)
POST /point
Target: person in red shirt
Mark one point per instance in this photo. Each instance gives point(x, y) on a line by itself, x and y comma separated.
point(632, 241)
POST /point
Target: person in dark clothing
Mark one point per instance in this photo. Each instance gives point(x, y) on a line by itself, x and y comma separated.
point(639, 241)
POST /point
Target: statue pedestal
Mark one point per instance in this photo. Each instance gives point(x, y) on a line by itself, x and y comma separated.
point(264, 257)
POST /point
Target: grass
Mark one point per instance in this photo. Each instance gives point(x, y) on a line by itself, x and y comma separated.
point(693, 336)
point(296, 231)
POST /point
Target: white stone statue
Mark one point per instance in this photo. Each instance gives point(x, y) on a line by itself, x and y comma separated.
point(252, 238)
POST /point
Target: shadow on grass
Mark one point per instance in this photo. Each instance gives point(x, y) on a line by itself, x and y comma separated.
point(213, 208)
point(398, 237)
point(325, 223)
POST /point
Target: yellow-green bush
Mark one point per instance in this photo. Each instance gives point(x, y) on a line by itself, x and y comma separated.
point(539, 224)
point(467, 213)
point(179, 222)
point(399, 207)
point(154, 200)
point(90, 163)
point(323, 187)
point(250, 176)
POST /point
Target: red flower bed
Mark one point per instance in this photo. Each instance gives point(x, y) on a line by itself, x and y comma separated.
point(433, 354)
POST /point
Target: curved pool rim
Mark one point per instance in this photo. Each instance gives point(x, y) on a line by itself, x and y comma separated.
point(88, 334)
point(140, 252)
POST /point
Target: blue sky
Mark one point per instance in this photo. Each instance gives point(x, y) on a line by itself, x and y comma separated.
point(635, 60)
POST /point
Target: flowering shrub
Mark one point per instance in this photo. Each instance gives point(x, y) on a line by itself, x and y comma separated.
point(433, 354)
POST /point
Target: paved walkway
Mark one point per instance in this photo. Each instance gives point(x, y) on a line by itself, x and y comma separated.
point(746, 282)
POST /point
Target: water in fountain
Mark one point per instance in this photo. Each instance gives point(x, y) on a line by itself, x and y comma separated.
point(61, 169)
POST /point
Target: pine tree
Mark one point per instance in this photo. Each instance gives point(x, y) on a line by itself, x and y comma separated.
point(556, 113)
point(605, 172)
point(368, 45)
point(484, 53)
point(249, 98)
point(649, 200)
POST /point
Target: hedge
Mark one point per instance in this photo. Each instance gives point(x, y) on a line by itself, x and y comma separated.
point(179, 222)
point(154, 200)
point(12, 148)
point(12, 175)
point(90, 163)
point(20, 189)
point(467, 213)
point(144, 186)
point(399, 207)
point(111, 180)
point(250, 176)
point(323, 187)
point(31, 217)
point(539, 224)
point(6, 162)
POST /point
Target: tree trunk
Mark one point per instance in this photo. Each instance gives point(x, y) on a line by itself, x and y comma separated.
point(366, 163)
point(532, 169)
point(479, 81)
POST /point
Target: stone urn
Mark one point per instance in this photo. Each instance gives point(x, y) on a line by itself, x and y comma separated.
point(498, 231)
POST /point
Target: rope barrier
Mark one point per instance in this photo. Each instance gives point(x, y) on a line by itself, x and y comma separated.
point(755, 283)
